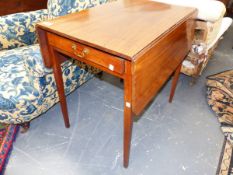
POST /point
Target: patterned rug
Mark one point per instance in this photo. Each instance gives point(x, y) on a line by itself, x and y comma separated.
point(225, 166)
point(7, 137)
point(220, 99)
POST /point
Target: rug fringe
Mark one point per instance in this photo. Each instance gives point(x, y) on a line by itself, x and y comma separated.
point(13, 129)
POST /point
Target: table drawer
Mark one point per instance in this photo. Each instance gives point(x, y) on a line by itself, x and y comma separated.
point(76, 49)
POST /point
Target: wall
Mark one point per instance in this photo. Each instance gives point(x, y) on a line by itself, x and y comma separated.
point(14, 6)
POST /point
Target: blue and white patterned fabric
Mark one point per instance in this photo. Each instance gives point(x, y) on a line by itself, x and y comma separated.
point(27, 87)
point(18, 29)
point(62, 7)
point(24, 96)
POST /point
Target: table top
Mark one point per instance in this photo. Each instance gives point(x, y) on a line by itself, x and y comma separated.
point(123, 28)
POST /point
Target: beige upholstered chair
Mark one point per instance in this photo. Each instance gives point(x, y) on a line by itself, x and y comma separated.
point(210, 26)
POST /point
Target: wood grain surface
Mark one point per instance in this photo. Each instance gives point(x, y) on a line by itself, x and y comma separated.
point(152, 69)
point(75, 49)
point(140, 41)
point(137, 23)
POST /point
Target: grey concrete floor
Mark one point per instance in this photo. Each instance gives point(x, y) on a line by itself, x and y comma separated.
point(182, 138)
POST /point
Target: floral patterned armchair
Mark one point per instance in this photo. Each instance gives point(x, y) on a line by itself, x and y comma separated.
point(27, 88)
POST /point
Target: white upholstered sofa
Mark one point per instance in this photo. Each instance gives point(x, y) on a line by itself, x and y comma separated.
point(210, 26)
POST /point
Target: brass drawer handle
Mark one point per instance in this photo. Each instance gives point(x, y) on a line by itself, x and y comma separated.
point(82, 54)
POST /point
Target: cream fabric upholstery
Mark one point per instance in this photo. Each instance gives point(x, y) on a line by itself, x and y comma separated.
point(208, 10)
point(225, 24)
point(210, 26)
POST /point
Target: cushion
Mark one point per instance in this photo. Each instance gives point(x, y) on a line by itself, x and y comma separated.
point(220, 98)
point(34, 63)
point(217, 11)
point(60, 8)
point(214, 37)
point(18, 96)
point(18, 29)
point(24, 96)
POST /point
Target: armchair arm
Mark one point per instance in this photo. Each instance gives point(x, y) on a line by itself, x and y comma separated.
point(208, 10)
point(18, 29)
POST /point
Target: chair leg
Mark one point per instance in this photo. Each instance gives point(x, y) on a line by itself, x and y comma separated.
point(24, 127)
point(193, 81)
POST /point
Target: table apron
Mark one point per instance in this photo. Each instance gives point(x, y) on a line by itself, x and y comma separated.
point(89, 55)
